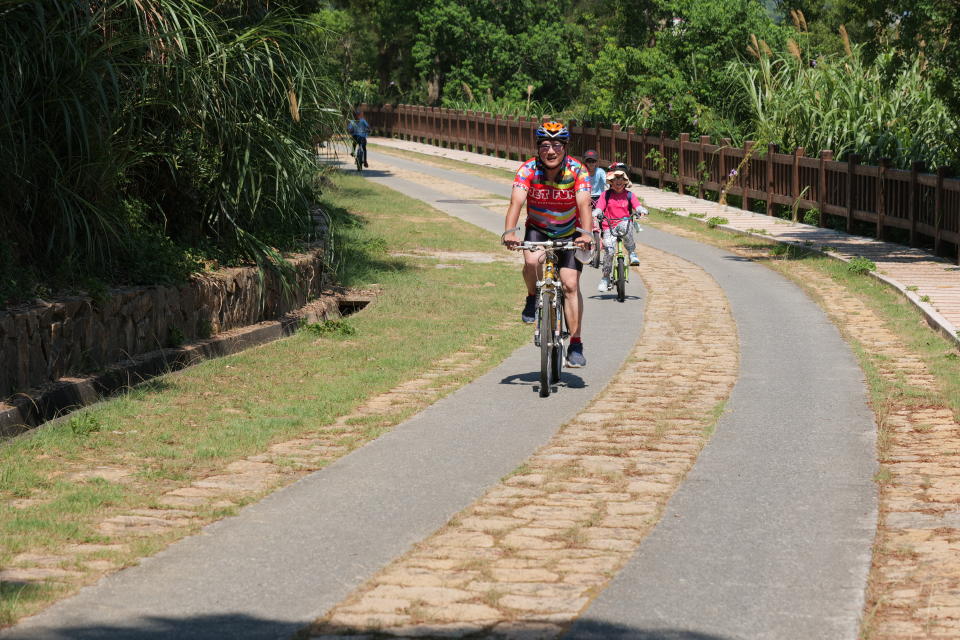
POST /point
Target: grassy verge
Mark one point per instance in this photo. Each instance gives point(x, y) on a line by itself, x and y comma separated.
point(191, 424)
point(904, 319)
point(449, 163)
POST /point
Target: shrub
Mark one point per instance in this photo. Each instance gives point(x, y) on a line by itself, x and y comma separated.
point(861, 265)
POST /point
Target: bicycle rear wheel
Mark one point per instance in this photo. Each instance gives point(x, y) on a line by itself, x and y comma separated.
point(595, 263)
point(546, 341)
point(621, 274)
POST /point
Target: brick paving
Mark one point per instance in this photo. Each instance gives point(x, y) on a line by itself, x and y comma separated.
point(931, 283)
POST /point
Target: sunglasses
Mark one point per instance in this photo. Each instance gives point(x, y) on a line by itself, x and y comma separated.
point(546, 146)
point(591, 161)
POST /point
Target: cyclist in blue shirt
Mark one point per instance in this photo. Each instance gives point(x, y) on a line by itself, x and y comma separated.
point(598, 177)
point(359, 129)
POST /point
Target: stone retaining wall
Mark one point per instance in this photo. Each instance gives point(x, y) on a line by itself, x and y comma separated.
point(45, 341)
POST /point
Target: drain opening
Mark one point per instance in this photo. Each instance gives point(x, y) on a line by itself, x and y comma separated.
point(349, 306)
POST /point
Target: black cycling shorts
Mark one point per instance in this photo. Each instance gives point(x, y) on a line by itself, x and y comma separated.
point(566, 259)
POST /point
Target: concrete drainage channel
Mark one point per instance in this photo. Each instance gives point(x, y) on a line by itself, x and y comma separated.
point(26, 411)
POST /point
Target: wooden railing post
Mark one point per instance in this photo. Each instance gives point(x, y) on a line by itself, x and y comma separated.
point(744, 177)
point(643, 157)
point(852, 162)
point(881, 196)
point(826, 155)
point(663, 158)
point(701, 166)
point(795, 180)
point(681, 165)
point(938, 212)
point(630, 134)
point(771, 149)
point(614, 131)
point(915, 168)
point(724, 176)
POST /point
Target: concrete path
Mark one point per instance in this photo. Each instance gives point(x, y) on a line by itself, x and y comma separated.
point(284, 561)
point(770, 534)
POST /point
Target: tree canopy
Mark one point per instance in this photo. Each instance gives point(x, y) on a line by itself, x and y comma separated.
point(673, 65)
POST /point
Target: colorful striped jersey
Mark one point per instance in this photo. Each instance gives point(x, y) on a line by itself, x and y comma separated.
point(552, 206)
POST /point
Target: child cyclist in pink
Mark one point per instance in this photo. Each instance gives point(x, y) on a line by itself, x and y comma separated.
point(617, 204)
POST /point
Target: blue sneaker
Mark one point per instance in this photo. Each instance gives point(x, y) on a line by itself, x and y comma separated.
point(575, 357)
point(529, 313)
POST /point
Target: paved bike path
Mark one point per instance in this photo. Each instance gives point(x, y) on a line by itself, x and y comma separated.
point(770, 535)
point(771, 532)
point(287, 559)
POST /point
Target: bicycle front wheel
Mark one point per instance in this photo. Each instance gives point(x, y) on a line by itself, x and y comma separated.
point(595, 263)
point(621, 279)
point(546, 341)
point(556, 357)
point(360, 158)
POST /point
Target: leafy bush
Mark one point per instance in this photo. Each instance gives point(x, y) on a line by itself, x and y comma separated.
point(331, 328)
point(140, 134)
point(83, 424)
point(861, 265)
point(716, 221)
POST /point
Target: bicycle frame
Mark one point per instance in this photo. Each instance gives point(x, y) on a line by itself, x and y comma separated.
point(549, 312)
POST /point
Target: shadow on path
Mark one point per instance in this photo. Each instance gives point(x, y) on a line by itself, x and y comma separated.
point(532, 379)
point(253, 628)
point(588, 629)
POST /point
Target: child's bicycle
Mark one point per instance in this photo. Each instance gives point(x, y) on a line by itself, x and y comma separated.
point(620, 270)
point(549, 330)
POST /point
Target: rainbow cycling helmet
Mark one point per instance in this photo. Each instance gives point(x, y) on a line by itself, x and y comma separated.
point(552, 131)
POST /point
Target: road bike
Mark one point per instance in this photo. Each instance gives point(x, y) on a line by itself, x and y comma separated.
point(620, 269)
point(549, 330)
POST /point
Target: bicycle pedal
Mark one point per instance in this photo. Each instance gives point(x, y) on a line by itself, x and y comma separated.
point(565, 335)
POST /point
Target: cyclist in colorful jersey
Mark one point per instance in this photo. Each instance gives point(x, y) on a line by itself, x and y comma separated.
point(556, 191)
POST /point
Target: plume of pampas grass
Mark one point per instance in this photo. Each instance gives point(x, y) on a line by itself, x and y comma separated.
point(794, 49)
point(294, 105)
point(466, 90)
point(846, 41)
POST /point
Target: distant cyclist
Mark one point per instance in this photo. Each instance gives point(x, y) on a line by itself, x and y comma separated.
point(359, 129)
point(556, 191)
point(598, 177)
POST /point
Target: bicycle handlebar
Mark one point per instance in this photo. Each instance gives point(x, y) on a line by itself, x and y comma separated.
point(546, 244)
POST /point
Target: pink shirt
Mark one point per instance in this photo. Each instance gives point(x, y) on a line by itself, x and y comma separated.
point(616, 208)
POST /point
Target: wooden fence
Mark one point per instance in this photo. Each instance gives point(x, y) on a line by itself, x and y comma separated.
point(923, 207)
